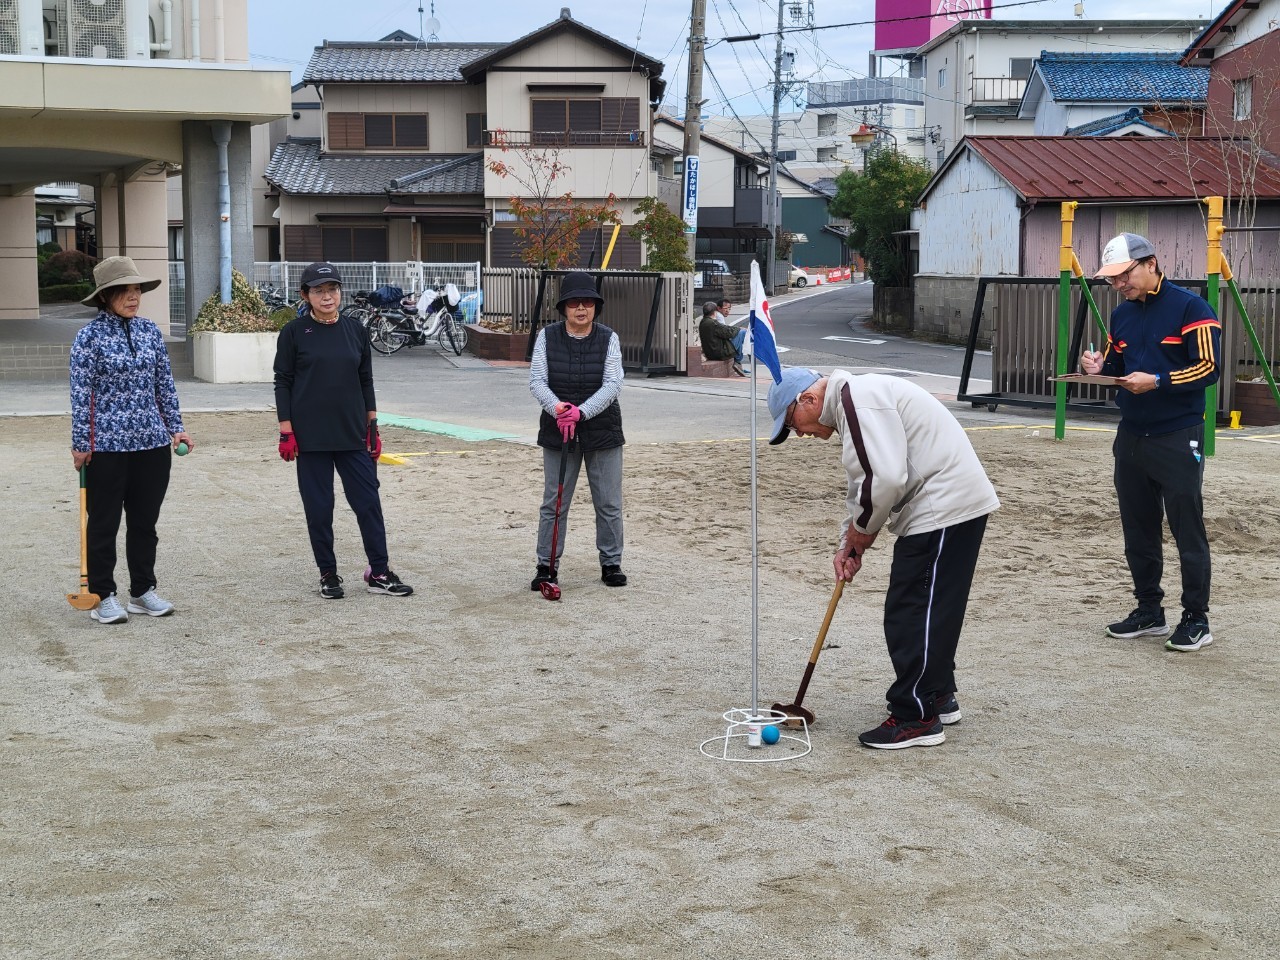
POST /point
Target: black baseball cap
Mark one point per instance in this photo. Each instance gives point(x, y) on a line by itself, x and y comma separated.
point(318, 273)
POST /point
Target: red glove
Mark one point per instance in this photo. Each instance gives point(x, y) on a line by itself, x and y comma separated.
point(288, 448)
point(373, 441)
point(567, 420)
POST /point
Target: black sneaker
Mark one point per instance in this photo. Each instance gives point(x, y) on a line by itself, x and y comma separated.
point(1192, 633)
point(894, 734)
point(387, 583)
point(1143, 622)
point(331, 586)
point(612, 576)
point(947, 708)
point(542, 575)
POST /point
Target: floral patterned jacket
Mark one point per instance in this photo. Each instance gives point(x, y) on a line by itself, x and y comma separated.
point(122, 393)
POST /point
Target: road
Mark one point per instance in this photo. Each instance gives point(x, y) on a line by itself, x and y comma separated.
point(827, 326)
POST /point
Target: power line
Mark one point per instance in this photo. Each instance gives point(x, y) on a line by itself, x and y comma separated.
point(866, 23)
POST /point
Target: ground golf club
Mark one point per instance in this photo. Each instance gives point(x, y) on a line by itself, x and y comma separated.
point(550, 588)
point(794, 710)
point(84, 600)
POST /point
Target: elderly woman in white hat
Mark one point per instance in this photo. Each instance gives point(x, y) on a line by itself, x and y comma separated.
point(125, 425)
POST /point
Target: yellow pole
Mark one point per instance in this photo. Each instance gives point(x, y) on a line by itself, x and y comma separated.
point(1066, 258)
point(604, 264)
point(1213, 274)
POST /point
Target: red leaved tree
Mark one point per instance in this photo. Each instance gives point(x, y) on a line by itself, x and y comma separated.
point(551, 222)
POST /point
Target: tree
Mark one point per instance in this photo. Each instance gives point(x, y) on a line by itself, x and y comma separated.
point(878, 204)
point(551, 223)
point(663, 236)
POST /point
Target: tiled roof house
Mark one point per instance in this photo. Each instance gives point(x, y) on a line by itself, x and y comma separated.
point(1070, 91)
point(399, 170)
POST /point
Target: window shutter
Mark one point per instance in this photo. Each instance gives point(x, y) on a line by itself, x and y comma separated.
point(620, 114)
point(346, 131)
point(584, 115)
point(336, 244)
point(549, 115)
point(302, 243)
point(379, 130)
point(411, 130)
point(369, 244)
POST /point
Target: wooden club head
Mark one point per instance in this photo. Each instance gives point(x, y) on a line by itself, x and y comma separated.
point(83, 601)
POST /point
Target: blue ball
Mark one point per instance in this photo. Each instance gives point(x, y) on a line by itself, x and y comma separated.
point(770, 734)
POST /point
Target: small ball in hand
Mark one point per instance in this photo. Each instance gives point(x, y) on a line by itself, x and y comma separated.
point(182, 448)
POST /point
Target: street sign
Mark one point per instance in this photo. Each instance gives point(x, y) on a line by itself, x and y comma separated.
point(690, 211)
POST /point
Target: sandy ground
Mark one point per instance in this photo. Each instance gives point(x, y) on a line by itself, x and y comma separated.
point(475, 772)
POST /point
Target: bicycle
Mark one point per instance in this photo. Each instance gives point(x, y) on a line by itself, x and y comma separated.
point(442, 323)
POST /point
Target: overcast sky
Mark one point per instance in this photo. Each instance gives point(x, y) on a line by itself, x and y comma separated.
point(283, 33)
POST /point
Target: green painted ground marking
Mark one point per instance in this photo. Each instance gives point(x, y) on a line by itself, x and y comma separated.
point(469, 434)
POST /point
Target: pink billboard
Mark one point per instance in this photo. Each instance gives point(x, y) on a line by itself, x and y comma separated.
point(906, 24)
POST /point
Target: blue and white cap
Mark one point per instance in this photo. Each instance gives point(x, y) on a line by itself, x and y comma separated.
point(1122, 252)
point(795, 381)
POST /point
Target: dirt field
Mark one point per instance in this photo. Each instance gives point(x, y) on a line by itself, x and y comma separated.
point(477, 773)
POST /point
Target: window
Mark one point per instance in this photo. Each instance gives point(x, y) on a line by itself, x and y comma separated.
point(942, 78)
point(826, 124)
point(386, 131)
point(911, 118)
point(340, 244)
point(476, 123)
point(1243, 98)
point(826, 154)
point(1020, 68)
point(789, 156)
point(586, 122)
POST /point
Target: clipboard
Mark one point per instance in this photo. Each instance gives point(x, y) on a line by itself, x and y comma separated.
point(1097, 378)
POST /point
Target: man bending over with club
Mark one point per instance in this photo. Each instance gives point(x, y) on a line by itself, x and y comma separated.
point(911, 469)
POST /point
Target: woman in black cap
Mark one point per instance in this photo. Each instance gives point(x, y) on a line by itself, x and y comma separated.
point(329, 421)
point(576, 376)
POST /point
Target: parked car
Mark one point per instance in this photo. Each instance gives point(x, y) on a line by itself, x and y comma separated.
point(711, 266)
point(797, 277)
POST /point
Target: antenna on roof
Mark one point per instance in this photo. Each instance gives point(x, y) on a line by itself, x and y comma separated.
point(428, 32)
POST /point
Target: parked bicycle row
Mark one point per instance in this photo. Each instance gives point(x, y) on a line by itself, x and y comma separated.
point(395, 320)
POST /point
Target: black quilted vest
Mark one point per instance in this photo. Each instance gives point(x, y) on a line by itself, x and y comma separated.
point(575, 370)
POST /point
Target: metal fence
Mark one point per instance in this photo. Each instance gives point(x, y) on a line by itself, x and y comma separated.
point(655, 321)
point(1023, 313)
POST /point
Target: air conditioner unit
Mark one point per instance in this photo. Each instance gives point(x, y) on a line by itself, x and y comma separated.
point(10, 40)
point(96, 28)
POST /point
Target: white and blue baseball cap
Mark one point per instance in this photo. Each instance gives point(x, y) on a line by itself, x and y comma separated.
point(795, 381)
point(1122, 252)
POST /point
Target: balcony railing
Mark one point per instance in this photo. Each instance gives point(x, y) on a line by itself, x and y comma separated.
point(565, 138)
point(997, 90)
point(868, 90)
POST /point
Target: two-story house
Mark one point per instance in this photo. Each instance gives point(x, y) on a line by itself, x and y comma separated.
point(118, 95)
point(976, 72)
point(400, 168)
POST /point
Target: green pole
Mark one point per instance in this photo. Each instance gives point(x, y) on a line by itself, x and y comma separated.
point(1064, 325)
point(1253, 338)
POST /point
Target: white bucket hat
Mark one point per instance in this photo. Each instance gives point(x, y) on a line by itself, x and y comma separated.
point(117, 272)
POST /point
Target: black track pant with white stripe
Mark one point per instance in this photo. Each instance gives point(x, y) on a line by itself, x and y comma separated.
point(924, 611)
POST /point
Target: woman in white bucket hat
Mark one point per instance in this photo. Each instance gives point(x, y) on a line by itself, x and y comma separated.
point(125, 425)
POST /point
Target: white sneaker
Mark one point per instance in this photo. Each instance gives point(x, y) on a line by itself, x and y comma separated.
point(109, 610)
point(151, 604)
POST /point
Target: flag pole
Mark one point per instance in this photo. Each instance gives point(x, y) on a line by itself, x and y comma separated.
point(755, 542)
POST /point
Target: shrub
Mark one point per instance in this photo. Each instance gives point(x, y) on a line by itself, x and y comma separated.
point(70, 266)
point(66, 292)
point(246, 313)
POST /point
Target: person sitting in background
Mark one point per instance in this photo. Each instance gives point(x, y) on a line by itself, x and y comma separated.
point(719, 340)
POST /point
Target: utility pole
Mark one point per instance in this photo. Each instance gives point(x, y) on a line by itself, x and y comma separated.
point(773, 158)
point(692, 121)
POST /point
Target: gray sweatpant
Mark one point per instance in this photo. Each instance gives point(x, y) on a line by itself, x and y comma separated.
point(604, 475)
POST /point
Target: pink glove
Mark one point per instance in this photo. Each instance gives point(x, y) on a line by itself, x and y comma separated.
point(288, 447)
point(373, 441)
point(567, 421)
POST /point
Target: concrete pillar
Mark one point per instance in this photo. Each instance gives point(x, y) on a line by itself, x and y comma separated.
point(133, 221)
point(18, 276)
point(201, 223)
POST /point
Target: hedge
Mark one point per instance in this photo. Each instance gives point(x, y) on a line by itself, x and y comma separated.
point(65, 292)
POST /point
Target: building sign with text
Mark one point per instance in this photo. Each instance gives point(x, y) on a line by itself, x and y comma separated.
point(690, 207)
